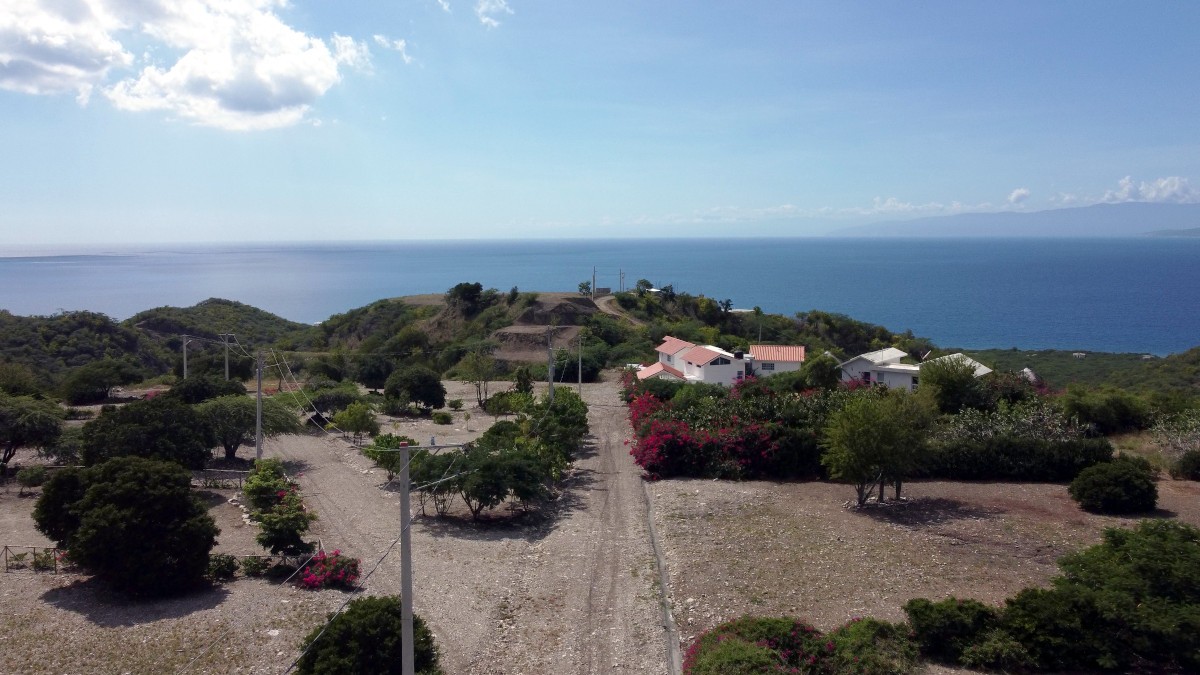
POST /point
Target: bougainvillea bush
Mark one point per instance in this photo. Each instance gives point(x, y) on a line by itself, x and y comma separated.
point(329, 570)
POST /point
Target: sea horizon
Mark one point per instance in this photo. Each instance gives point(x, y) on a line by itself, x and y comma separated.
point(1115, 294)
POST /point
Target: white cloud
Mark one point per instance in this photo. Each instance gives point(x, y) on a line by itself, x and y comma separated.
point(489, 10)
point(43, 51)
point(444, 4)
point(1173, 189)
point(234, 65)
point(399, 46)
point(1017, 196)
point(351, 52)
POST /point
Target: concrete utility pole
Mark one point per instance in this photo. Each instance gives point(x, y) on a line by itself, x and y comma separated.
point(185, 341)
point(225, 340)
point(258, 413)
point(407, 656)
point(550, 362)
point(593, 282)
point(579, 368)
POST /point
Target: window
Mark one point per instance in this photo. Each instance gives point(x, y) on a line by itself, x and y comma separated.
point(866, 377)
point(915, 379)
point(768, 366)
point(721, 361)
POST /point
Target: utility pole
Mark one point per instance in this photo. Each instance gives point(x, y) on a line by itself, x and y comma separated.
point(225, 340)
point(579, 368)
point(185, 341)
point(593, 282)
point(258, 413)
point(550, 364)
point(407, 659)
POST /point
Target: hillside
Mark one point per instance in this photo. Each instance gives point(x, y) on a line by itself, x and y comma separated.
point(214, 316)
point(51, 345)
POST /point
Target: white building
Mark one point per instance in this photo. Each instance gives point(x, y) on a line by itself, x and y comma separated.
point(883, 367)
point(682, 360)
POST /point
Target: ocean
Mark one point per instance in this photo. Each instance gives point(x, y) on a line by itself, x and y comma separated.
point(1118, 295)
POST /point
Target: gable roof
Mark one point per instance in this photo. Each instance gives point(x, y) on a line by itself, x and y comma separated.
point(793, 353)
point(704, 355)
point(673, 345)
point(658, 369)
point(879, 356)
point(980, 369)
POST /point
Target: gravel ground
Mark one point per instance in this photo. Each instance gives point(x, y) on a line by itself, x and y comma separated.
point(572, 591)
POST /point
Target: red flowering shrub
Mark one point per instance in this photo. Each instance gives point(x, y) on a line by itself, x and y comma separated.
point(330, 570)
point(671, 448)
point(641, 408)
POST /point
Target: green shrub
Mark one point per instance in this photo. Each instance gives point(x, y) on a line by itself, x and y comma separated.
point(442, 418)
point(1121, 486)
point(790, 642)
point(31, 476)
point(1014, 459)
point(873, 647)
point(284, 526)
point(944, 629)
point(134, 523)
point(366, 638)
point(1187, 466)
point(264, 484)
point(455, 404)
point(996, 650)
point(222, 567)
point(255, 566)
point(734, 656)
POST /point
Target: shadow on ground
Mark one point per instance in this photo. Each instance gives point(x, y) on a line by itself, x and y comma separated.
point(927, 511)
point(93, 600)
point(509, 521)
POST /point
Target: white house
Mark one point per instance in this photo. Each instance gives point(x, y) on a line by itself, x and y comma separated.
point(713, 365)
point(883, 367)
point(772, 359)
point(670, 349)
point(660, 371)
point(682, 360)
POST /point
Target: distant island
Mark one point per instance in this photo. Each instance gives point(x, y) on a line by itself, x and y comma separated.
point(1189, 232)
point(1130, 219)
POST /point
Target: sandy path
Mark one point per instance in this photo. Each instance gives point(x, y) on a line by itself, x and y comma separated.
point(576, 594)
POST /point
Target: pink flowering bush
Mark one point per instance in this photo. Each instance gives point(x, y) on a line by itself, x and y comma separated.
point(760, 645)
point(329, 570)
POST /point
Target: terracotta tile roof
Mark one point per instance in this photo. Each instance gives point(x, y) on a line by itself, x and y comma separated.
point(793, 353)
point(701, 355)
point(656, 369)
point(673, 345)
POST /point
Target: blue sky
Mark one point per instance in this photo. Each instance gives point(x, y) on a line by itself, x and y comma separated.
point(138, 121)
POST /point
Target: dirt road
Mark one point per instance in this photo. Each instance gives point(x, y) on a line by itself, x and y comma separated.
point(577, 593)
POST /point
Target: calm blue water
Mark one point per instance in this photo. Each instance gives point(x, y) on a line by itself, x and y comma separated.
point(1124, 295)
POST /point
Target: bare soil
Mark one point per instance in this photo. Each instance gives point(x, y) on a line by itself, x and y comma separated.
point(797, 549)
point(572, 590)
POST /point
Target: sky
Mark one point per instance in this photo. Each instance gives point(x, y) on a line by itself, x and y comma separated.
point(144, 121)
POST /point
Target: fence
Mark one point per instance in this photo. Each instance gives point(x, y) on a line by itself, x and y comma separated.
point(35, 558)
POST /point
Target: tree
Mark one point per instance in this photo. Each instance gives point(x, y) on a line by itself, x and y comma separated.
point(478, 368)
point(952, 383)
point(642, 287)
point(358, 419)
point(233, 420)
point(465, 297)
point(133, 522)
point(523, 380)
point(17, 379)
point(585, 288)
point(202, 388)
point(160, 428)
point(26, 422)
point(875, 439)
point(95, 381)
point(419, 385)
point(822, 372)
point(366, 638)
point(373, 370)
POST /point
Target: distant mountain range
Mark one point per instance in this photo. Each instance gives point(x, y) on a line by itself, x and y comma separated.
point(1129, 219)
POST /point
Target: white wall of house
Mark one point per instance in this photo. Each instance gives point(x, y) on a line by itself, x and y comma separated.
point(854, 369)
point(769, 368)
point(716, 372)
point(895, 380)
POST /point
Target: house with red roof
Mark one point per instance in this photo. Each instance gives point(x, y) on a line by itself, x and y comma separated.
point(682, 360)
